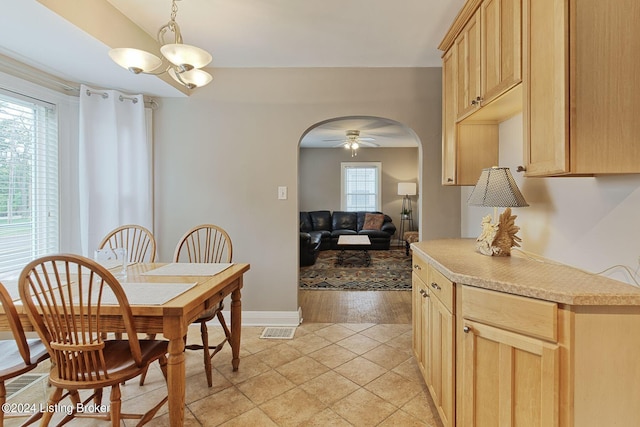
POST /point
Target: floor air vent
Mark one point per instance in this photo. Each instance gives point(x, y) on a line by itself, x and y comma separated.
point(278, 333)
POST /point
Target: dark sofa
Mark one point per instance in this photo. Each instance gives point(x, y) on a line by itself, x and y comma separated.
point(320, 230)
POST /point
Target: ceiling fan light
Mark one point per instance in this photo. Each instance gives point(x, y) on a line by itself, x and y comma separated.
point(191, 79)
point(135, 60)
point(355, 145)
point(186, 56)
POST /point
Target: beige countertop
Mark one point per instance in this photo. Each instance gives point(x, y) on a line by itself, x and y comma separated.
point(523, 275)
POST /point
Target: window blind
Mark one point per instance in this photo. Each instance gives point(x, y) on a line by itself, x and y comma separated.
point(29, 201)
point(361, 186)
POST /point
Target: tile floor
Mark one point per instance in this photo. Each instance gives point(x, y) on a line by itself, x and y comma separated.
point(328, 375)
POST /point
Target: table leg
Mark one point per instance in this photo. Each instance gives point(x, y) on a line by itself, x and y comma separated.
point(236, 327)
point(176, 372)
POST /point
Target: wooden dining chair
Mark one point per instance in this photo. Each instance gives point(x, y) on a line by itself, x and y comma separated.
point(206, 243)
point(140, 245)
point(67, 298)
point(18, 355)
point(136, 239)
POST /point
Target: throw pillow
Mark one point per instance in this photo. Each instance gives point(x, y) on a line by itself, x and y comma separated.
point(373, 221)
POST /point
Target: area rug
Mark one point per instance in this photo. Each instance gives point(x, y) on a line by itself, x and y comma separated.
point(389, 271)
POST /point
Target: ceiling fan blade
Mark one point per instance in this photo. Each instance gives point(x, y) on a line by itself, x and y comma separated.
point(369, 144)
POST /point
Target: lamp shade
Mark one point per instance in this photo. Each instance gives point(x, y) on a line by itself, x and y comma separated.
point(191, 79)
point(184, 55)
point(406, 189)
point(135, 60)
point(496, 188)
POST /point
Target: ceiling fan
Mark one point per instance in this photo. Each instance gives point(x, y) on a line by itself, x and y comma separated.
point(354, 141)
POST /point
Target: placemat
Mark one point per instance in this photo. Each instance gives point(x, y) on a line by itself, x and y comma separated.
point(188, 269)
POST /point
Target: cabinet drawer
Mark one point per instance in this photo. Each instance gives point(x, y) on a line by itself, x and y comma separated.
point(421, 268)
point(528, 316)
point(441, 287)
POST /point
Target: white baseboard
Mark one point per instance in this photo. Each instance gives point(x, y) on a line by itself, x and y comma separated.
point(266, 318)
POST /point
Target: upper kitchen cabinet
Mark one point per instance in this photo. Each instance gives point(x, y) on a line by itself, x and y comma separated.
point(467, 54)
point(481, 75)
point(501, 47)
point(486, 39)
point(581, 87)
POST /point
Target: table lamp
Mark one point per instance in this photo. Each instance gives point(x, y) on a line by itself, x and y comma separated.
point(496, 188)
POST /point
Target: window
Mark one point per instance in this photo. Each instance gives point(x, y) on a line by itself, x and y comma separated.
point(361, 186)
point(28, 181)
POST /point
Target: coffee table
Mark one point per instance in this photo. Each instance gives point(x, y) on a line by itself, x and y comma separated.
point(354, 243)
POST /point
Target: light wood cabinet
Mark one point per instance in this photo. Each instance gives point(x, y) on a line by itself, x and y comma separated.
point(523, 342)
point(467, 148)
point(501, 47)
point(507, 377)
point(420, 321)
point(467, 55)
point(433, 311)
point(581, 87)
point(481, 75)
point(441, 358)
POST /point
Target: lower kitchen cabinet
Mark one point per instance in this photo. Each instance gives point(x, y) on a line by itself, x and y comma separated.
point(435, 349)
point(510, 341)
point(508, 378)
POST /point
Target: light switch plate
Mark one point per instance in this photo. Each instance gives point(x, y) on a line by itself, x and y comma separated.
point(282, 193)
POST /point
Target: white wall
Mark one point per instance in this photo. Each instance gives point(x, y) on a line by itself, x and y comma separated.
point(587, 222)
point(221, 154)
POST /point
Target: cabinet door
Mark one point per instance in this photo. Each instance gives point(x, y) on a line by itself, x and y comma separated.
point(449, 118)
point(546, 101)
point(420, 322)
point(507, 379)
point(500, 46)
point(468, 68)
point(441, 360)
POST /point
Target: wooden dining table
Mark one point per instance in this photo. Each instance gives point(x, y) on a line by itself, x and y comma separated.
point(172, 318)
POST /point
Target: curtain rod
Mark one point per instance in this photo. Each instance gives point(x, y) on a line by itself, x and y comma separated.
point(151, 103)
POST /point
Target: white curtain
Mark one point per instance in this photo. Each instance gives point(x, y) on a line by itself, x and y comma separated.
point(115, 164)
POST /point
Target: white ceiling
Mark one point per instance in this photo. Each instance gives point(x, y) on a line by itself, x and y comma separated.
point(238, 33)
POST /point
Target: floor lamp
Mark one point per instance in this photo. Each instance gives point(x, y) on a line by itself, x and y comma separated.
point(406, 189)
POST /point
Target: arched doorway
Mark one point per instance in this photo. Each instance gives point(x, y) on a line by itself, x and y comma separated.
point(322, 151)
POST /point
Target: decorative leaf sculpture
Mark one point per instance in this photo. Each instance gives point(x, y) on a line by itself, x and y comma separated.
point(498, 239)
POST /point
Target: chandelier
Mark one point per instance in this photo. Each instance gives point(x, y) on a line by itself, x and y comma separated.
point(184, 61)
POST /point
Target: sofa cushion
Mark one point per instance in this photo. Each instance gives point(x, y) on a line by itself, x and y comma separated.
point(321, 220)
point(305, 222)
point(345, 221)
point(373, 221)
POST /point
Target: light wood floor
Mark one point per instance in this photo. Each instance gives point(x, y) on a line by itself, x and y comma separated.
point(323, 306)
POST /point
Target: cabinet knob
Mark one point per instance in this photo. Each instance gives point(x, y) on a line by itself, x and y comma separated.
point(417, 267)
point(466, 329)
point(449, 179)
point(424, 293)
point(435, 286)
point(476, 101)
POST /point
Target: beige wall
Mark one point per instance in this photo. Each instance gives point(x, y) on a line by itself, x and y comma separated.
point(319, 181)
point(587, 222)
point(221, 154)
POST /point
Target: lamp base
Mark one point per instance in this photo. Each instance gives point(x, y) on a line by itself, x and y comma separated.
point(498, 239)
